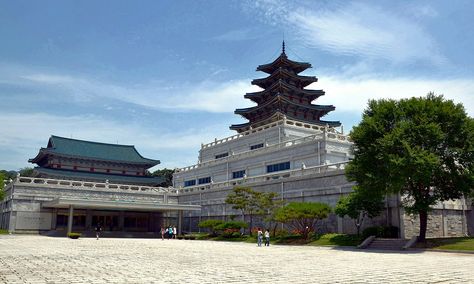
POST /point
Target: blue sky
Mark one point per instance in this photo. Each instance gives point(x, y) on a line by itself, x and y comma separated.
point(166, 76)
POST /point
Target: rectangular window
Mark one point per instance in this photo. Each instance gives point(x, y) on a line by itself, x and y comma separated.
point(190, 182)
point(278, 167)
point(204, 180)
point(256, 146)
point(238, 174)
point(222, 155)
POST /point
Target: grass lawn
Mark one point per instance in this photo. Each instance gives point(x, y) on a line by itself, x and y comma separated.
point(3, 232)
point(336, 240)
point(316, 240)
point(448, 244)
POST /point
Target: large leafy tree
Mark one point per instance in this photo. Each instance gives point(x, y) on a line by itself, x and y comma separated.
point(26, 172)
point(422, 148)
point(246, 200)
point(358, 205)
point(303, 216)
point(2, 191)
point(166, 174)
point(251, 203)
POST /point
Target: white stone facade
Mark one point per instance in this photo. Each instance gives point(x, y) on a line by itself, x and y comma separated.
point(302, 145)
point(35, 204)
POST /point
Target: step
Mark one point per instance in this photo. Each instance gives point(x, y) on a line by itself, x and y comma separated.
point(387, 244)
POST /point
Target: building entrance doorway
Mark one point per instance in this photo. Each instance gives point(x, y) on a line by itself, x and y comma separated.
point(108, 222)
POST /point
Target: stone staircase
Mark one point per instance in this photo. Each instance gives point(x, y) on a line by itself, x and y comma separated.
point(387, 244)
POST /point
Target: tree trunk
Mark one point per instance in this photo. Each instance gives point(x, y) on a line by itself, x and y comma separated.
point(274, 229)
point(251, 223)
point(423, 225)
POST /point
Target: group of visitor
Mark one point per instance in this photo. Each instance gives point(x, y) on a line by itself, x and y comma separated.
point(168, 232)
point(260, 236)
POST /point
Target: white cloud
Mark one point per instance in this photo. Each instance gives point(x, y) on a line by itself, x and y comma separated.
point(355, 29)
point(23, 135)
point(352, 94)
point(207, 96)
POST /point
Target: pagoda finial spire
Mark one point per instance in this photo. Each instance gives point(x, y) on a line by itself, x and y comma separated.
point(283, 47)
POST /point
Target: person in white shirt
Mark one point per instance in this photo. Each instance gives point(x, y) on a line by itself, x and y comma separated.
point(267, 238)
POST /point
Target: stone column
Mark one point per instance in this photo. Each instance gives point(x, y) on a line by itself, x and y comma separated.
point(69, 221)
point(121, 221)
point(88, 219)
point(54, 218)
point(180, 222)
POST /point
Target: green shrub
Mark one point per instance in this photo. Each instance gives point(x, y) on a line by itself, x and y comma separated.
point(336, 240)
point(211, 224)
point(3, 232)
point(381, 232)
point(73, 235)
point(232, 225)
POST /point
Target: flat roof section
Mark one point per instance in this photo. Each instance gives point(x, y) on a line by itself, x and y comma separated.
point(118, 205)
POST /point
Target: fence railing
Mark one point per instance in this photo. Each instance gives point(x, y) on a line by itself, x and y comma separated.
point(87, 184)
point(266, 177)
point(265, 149)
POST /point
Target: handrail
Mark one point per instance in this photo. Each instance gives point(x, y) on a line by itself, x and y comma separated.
point(88, 184)
point(265, 177)
point(273, 124)
point(289, 143)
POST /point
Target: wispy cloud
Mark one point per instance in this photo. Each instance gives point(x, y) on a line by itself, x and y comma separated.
point(352, 94)
point(356, 29)
point(176, 148)
point(209, 96)
point(239, 35)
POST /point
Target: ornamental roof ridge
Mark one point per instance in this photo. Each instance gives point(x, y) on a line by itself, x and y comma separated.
point(96, 150)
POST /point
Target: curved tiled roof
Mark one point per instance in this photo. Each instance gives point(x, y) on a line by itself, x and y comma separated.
point(93, 150)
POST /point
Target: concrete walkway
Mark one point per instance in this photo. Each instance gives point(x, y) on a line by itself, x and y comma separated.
point(39, 259)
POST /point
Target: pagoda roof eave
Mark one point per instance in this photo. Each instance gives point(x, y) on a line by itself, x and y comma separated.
point(279, 98)
point(306, 92)
point(306, 80)
point(283, 60)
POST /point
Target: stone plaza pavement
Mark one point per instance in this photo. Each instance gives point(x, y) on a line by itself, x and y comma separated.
point(38, 259)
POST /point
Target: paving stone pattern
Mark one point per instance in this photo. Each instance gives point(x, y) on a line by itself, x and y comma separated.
point(37, 259)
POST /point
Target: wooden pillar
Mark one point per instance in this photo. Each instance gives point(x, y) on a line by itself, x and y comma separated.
point(69, 221)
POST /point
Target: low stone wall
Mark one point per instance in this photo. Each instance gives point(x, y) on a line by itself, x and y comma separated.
point(441, 223)
point(324, 187)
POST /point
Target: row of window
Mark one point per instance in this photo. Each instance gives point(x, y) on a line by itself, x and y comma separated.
point(240, 174)
point(222, 155)
point(252, 147)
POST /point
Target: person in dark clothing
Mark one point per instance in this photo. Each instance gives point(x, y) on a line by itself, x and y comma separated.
point(98, 228)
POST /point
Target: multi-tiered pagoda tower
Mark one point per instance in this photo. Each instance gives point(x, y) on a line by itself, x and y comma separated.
point(284, 95)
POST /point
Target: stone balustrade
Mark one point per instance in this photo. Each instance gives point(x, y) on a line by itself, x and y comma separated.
point(330, 130)
point(266, 177)
point(290, 143)
point(91, 185)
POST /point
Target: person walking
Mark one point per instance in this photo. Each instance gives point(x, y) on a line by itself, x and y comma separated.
point(98, 228)
point(174, 232)
point(267, 238)
point(162, 233)
point(259, 237)
point(170, 232)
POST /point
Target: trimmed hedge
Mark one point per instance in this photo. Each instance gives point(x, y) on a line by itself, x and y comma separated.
point(390, 232)
point(73, 235)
